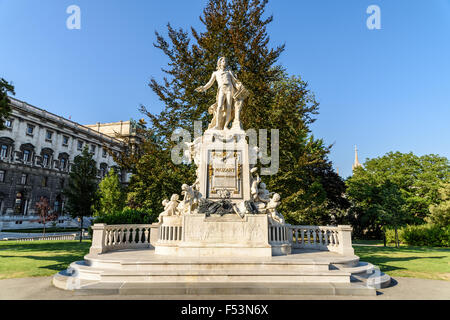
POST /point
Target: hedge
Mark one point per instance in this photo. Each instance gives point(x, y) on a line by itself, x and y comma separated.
point(428, 235)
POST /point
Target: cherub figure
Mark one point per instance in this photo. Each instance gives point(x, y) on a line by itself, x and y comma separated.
point(170, 207)
point(272, 209)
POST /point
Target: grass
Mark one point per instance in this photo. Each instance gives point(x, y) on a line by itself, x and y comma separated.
point(41, 230)
point(413, 262)
point(39, 258)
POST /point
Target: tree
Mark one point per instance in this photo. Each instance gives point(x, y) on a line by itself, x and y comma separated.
point(111, 196)
point(5, 108)
point(416, 178)
point(440, 213)
point(392, 211)
point(81, 191)
point(43, 208)
point(237, 30)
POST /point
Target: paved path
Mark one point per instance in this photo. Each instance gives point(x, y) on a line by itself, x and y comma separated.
point(404, 289)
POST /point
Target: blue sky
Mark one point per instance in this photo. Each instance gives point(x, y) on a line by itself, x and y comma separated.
point(383, 90)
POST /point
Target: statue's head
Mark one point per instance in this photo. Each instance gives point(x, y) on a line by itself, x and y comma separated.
point(276, 197)
point(184, 187)
point(174, 197)
point(262, 185)
point(221, 63)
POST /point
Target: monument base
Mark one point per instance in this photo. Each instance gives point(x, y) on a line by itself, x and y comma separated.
point(215, 236)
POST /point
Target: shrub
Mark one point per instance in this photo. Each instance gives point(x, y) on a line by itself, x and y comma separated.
point(429, 235)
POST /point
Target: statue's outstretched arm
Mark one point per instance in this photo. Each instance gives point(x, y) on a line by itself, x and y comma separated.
point(208, 85)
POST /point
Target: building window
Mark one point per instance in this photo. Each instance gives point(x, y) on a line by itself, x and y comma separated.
point(48, 135)
point(23, 178)
point(65, 141)
point(2, 175)
point(26, 155)
point(30, 129)
point(44, 181)
point(104, 153)
point(45, 160)
point(92, 148)
point(8, 123)
point(3, 151)
point(80, 145)
point(103, 169)
point(62, 164)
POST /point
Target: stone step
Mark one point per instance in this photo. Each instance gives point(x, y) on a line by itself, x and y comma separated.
point(211, 289)
point(378, 281)
point(362, 267)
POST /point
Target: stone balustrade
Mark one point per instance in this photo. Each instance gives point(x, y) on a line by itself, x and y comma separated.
point(337, 239)
point(168, 234)
point(127, 236)
point(134, 236)
point(278, 234)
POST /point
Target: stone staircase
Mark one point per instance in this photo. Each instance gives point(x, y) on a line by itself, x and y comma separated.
point(123, 273)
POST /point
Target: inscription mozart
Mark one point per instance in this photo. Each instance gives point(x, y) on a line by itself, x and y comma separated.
point(224, 173)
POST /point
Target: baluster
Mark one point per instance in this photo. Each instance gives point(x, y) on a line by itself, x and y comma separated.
point(296, 235)
point(314, 236)
point(320, 237)
point(302, 233)
point(146, 233)
point(133, 240)
point(127, 240)
point(114, 237)
point(140, 235)
point(119, 236)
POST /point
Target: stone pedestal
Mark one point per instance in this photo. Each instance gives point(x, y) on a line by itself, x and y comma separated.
point(216, 236)
point(224, 165)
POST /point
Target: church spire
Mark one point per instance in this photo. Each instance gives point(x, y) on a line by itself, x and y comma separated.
point(356, 164)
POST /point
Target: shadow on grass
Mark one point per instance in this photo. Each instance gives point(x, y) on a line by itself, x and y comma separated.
point(62, 261)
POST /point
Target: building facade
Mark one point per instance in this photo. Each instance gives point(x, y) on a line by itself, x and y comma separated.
point(37, 151)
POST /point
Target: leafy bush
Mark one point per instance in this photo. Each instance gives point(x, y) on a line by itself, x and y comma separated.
point(128, 216)
point(429, 235)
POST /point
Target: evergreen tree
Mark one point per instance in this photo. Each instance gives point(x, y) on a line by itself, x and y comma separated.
point(237, 29)
point(81, 191)
point(111, 196)
point(5, 109)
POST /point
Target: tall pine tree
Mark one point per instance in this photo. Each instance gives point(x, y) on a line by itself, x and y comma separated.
point(237, 29)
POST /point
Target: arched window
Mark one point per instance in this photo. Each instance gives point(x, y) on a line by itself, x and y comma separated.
point(19, 203)
point(6, 147)
point(57, 206)
point(27, 152)
point(103, 169)
point(47, 156)
point(63, 161)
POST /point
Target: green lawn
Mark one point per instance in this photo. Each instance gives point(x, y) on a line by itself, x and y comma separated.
point(39, 258)
point(415, 262)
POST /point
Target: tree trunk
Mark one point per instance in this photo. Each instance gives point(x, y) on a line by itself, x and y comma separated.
point(396, 238)
point(384, 238)
point(81, 228)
